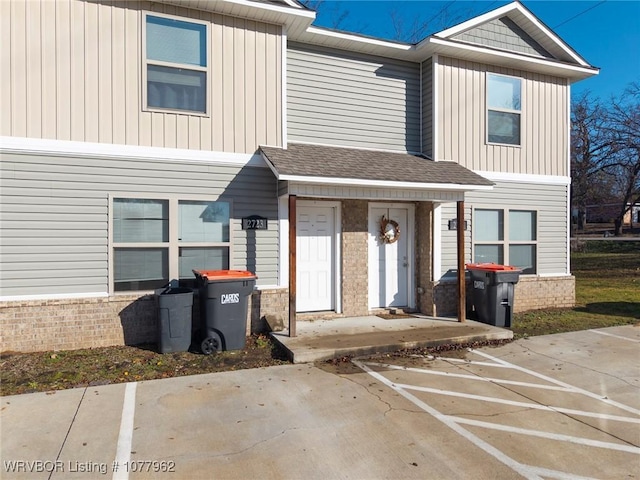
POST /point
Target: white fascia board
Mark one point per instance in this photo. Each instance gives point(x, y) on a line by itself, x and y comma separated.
point(301, 12)
point(405, 47)
point(474, 22)
point(504, 10)
point(488, 53)
point(37, 146)
point(551, 35)
point(524, 178)
point(384, 183)
point(270, 165)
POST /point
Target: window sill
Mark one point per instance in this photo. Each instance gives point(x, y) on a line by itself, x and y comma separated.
point(188, 113)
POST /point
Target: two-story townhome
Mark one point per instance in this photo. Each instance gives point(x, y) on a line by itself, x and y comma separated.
point(137, 136)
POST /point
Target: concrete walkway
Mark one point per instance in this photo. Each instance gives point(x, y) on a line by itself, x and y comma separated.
point(341, 337)
point(560, 406)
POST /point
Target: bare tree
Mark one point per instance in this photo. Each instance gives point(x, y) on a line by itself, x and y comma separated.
point(605, 154)
point(416, 28)
point(624, 130)
point(590, 148)
point(336, 15)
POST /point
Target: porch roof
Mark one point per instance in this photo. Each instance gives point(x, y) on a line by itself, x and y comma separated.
point(322, 164)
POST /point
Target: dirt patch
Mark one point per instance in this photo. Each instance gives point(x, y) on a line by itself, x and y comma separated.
point(50, 371)
point(344, 366)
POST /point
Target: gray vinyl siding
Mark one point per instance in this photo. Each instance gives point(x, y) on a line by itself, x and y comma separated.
point(505, 34)
point(427, 107)
point(54, 216)
point(341, 98)
point(550, 201)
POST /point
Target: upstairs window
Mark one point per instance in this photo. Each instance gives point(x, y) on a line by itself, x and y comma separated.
point(175, 64)
point(504, 109)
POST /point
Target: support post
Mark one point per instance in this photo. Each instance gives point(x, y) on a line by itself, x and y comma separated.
point(462, 304)
point(292, 265)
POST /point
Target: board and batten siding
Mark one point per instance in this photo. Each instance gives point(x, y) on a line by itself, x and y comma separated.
point(340, 98)
point(54, 216)
point(462, 118)
point(548, 200)
point(72, 70)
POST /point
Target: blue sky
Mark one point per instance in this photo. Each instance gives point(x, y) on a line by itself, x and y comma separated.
point(606, 34)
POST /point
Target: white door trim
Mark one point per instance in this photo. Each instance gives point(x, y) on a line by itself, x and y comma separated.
point(337, 229)
point(411, 228)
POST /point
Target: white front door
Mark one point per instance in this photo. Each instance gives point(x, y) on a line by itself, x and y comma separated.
point(315, 258)
point(389, 263)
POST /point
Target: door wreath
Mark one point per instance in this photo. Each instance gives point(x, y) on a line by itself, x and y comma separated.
point(389, 230)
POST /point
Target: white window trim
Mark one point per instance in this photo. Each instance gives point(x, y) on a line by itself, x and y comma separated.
point(505, 242)
point(173, 245)
point(502, 110)
point(206, 69)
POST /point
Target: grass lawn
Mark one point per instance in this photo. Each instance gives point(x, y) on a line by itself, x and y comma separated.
point(607, 292)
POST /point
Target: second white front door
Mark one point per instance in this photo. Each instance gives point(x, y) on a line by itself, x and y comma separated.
point(389, 263)
point(315, 260)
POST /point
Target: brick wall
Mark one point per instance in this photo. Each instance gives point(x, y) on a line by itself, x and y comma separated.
point(29, 326)
point(530, 293)
point(263, 303)
point(41, 325)
point(355, 260)
point(535, 293)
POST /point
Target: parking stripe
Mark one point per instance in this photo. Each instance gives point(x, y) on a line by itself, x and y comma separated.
point(125, 437)
point(600, 332)
point(533, 406)
point(533, 373)
point(547, 473)
point(469, 377)
point(551, 436)
point(524, 470)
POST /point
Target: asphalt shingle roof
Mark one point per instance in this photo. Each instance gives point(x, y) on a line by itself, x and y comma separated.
point(337, 162)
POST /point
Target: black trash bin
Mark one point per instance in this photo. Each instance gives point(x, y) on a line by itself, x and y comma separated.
point(174, 306)
point(492, 288)
point(224, 296)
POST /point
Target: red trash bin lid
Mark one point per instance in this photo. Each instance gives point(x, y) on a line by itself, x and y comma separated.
point(225, 274)
point(491, 267)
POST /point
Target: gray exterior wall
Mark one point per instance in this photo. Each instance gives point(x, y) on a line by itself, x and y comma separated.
point(550, 201)
point(341, 98)
point(54, 216)
point(503, 33)
point(427, 107)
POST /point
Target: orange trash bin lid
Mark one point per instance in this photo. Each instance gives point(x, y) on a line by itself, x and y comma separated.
point(225, 274)
point(491, 267)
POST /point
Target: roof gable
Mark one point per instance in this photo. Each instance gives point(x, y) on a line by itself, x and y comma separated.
point(514, 28)
point(504, 34)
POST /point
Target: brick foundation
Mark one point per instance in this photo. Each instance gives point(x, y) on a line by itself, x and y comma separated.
point(41, 325)
point(536, 293)
point(530, 293)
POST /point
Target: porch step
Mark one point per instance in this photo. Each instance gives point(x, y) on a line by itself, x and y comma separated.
point(319, 340)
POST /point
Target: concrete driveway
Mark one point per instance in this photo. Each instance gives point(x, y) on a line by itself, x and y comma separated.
point(560, 406)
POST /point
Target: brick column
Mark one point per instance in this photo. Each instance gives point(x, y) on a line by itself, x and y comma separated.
point(355, 258)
